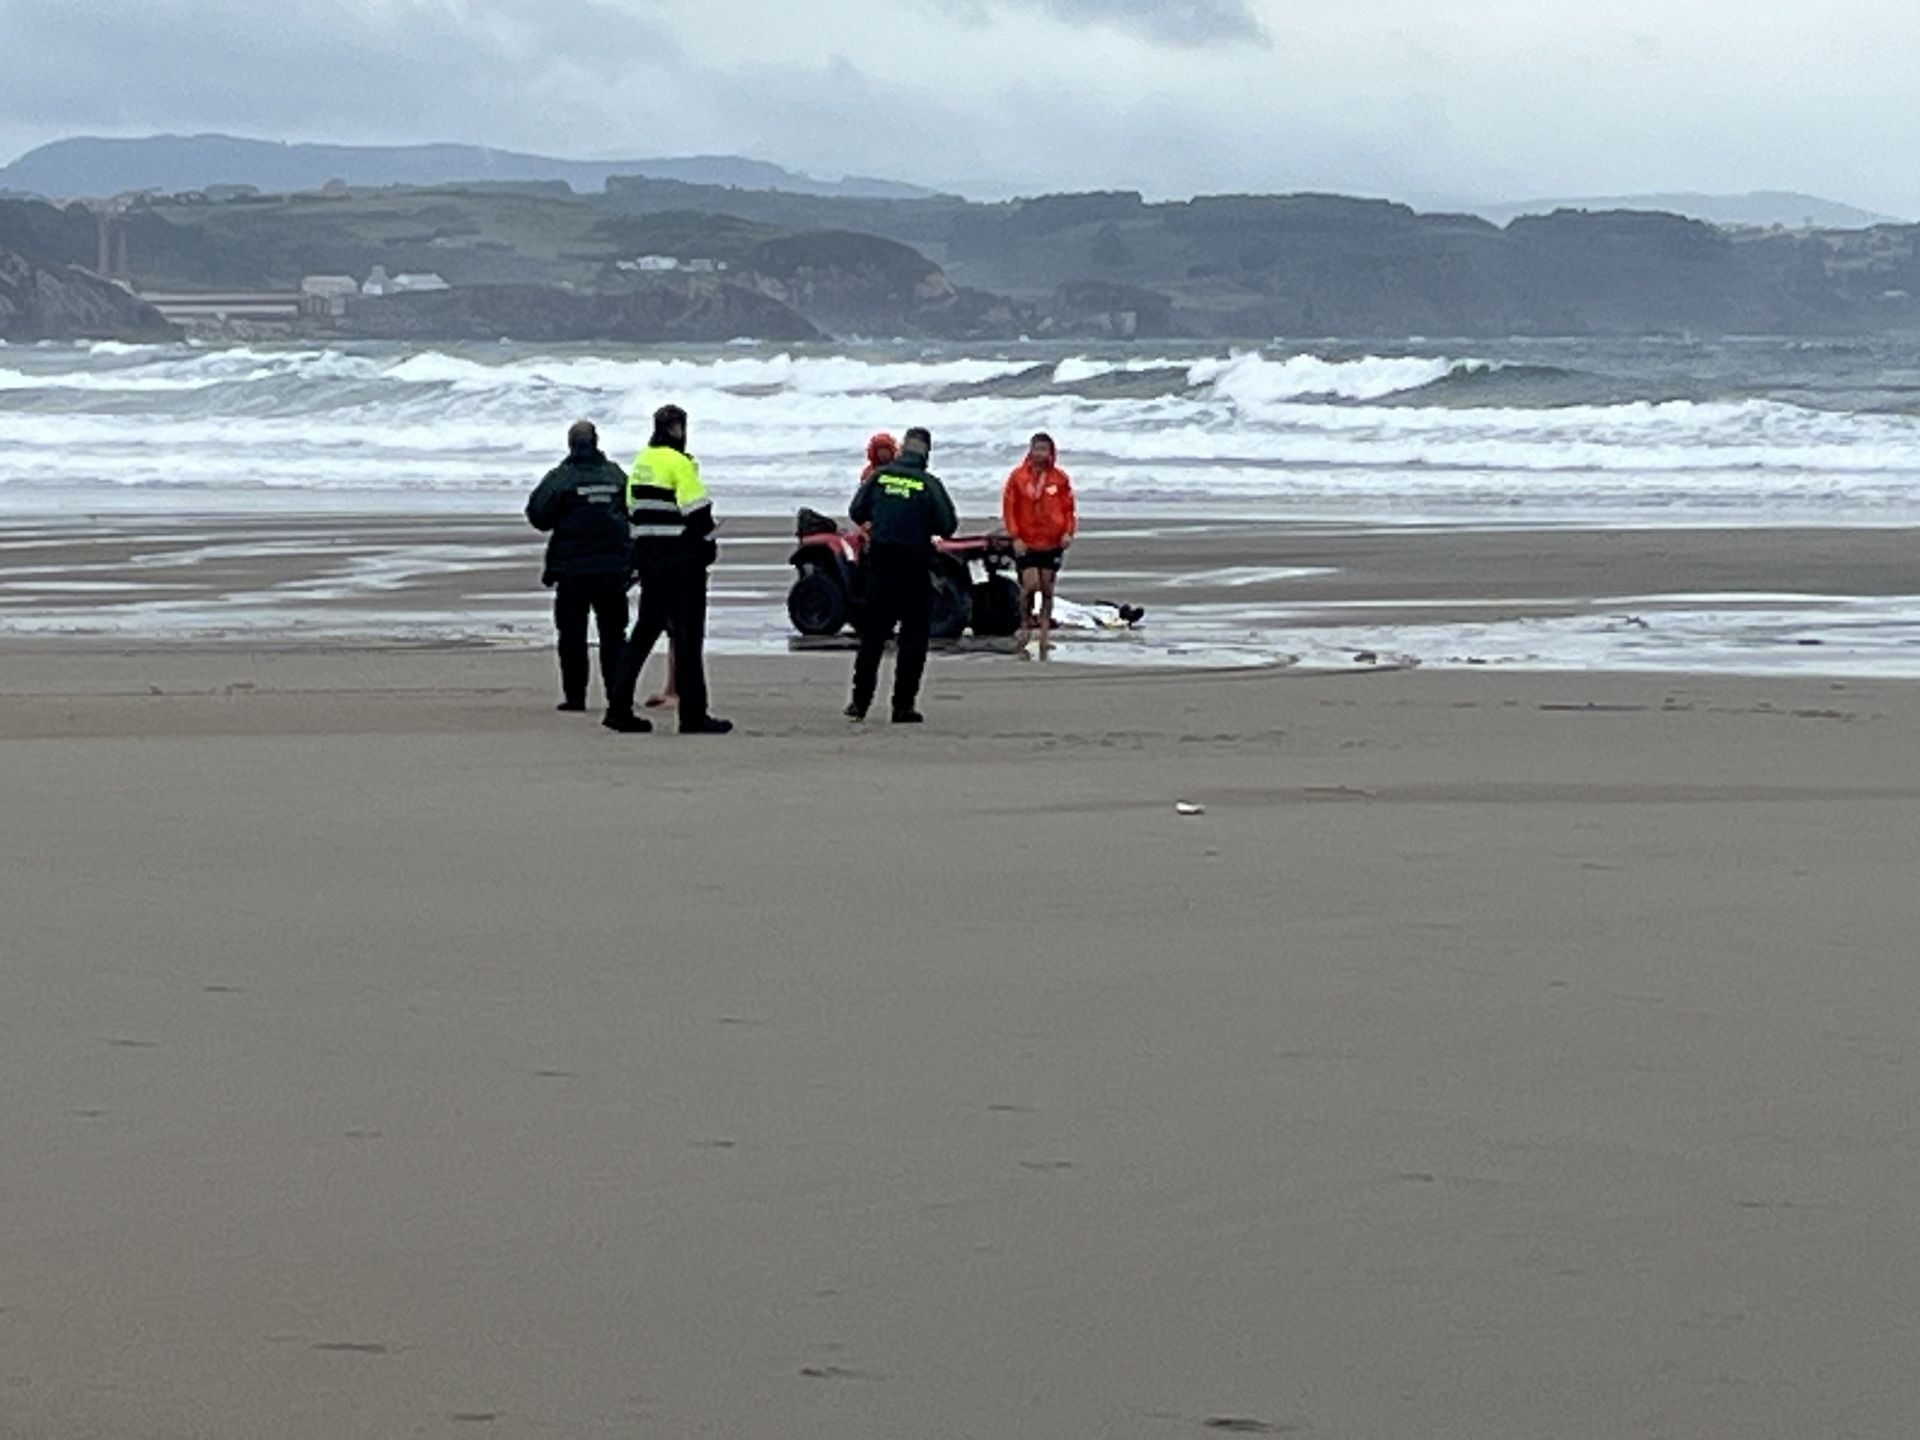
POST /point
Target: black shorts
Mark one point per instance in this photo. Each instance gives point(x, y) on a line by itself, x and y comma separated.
point(1042, 560)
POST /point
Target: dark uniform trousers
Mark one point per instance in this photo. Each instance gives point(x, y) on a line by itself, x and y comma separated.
point(575, 597)
point(899, 592)
point(673, 602)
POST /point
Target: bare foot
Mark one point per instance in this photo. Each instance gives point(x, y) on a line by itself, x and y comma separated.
point(665, 700)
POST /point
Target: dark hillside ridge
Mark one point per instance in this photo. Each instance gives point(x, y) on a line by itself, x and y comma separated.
point(1759, 209)
point(1237, 267)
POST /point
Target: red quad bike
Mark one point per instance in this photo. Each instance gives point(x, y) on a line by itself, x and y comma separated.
point(971, 586)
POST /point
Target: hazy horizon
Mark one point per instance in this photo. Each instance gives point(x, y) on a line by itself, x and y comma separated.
point(1501, 207)
point(1492, 102)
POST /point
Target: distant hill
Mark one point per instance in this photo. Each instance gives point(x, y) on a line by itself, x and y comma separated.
point(88, 166)
point(1231, 267)
point(1762, 208)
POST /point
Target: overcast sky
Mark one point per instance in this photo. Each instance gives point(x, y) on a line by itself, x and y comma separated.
point(1423, 100)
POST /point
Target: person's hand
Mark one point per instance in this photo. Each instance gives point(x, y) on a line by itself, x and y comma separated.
point(1066, 543)
point(1019, 548)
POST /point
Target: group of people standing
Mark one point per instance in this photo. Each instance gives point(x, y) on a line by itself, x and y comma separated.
point(609, 527)
point(654, 524)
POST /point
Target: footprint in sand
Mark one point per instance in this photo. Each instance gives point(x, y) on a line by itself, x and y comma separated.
point(1238, 1425)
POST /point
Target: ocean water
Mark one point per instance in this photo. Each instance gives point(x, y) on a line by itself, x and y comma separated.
point(1759, 432)
point(1462, 434)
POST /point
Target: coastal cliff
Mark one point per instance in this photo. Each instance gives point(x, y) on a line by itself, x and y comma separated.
point(59, 302)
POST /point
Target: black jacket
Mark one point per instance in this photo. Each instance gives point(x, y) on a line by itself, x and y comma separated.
point(906, 504)
point(583, 502)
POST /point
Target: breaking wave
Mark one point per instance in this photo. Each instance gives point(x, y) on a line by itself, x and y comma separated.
point(1500, 433)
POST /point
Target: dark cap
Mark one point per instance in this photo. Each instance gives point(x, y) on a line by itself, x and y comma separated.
point(582, 437)
point(668, 416)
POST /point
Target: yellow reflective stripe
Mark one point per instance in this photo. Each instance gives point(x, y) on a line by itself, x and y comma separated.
point(688, 488)
point(663, 468)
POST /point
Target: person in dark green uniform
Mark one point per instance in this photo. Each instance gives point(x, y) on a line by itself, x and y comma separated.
point(905, 506)
point(582, 506)
point(673, 548)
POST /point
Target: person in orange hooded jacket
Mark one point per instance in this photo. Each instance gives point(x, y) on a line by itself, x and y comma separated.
point(1038, 511)
point(882, 451)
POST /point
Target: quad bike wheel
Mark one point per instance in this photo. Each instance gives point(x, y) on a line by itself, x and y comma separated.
point(816, 604)
point(952, 608)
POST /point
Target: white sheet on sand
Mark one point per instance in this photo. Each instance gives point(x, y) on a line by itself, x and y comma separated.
point(1069, 615)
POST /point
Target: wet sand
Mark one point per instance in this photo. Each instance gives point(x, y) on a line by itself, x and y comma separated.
point(1215, 591)
point(1497, 1055)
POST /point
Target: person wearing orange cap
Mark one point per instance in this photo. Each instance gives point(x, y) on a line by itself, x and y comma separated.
point(1038, 511)
point(882, 450)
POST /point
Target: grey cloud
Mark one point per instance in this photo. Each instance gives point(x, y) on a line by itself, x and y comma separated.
point(1480, 98)
point(1188, 22)
point(334, 69)
point(1172, 22)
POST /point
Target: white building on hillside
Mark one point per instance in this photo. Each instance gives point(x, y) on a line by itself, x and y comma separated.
point(418, 280)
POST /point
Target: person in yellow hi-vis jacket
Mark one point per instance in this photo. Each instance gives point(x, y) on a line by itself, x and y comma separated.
point(672, 524)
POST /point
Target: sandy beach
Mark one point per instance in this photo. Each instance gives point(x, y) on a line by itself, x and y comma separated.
point(1498, 1055)
point(1427, 948)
